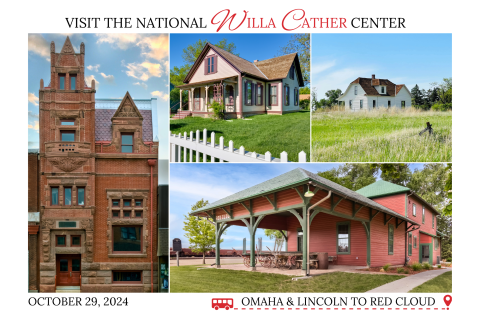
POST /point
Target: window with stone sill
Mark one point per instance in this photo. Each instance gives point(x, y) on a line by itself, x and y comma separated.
point(67, 196)
point(75, 241)
point(54, 196)
point(80, 196)
point(61, 81)
point(116, 214)
point(138, 203)
point(127, 143)
point(67, 135)
point(126, 277)
point(127, 239)
point(115, 203)
point(60, 241)
point(138, 214)
point(67, 122)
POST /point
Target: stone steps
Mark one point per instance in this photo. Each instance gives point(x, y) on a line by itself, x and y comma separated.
point(68, 289)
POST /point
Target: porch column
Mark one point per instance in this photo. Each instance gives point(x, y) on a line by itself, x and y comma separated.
point(217, 245)
point(252, 228)
point(366, 225)
point(305, 228)
point(191, 102)
point(206, 98)
point(240, 96)
point(180, 99)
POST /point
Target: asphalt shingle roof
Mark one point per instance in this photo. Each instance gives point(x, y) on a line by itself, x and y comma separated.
point(382, 188)
point(296, 177)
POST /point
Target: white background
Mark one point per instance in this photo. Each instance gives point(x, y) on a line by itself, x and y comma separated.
point(20, 18)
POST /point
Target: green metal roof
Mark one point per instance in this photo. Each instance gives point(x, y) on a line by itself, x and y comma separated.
point(295, 177)
point(382, 188)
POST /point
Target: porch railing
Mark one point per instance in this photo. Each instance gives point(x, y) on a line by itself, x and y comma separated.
point(191, 144)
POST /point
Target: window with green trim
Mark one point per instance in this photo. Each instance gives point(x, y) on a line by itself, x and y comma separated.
point(390, 239)
point(409, 244)
point(423, 214)
point(415, 242)
point(299, 239)
point(414, 210)
point(343, 237)
point(436, 243)
point(433, 221)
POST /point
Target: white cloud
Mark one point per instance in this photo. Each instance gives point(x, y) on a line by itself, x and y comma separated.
point(88, 80)
point(152, 46)
point(141, 84)
point(34, 126)
point(109, 78)
point(339, 79)
point(322, 66)
point(161, 95)
point(94, 68)
point(143, 71)
point(38, 45)
point(32, 98)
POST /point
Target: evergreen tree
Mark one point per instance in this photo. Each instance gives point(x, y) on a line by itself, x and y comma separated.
point(416, 96)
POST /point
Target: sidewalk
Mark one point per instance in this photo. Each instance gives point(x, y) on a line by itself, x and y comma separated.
point(408, 283)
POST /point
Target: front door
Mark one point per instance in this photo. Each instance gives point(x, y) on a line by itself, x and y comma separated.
point(425, 253)
point(196, 100)
point(68, 269)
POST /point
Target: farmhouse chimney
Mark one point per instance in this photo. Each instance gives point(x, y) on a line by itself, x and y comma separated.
point(373, 76)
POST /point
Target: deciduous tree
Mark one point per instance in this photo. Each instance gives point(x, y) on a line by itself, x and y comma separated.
point(300, 43)
point(199, 231)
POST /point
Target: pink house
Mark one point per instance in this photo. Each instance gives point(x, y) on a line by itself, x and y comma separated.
point(245, 88)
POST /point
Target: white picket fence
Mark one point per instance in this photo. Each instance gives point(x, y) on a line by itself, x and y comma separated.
point(218, 151)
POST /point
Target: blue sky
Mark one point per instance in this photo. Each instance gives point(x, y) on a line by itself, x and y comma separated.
point(338, 59)
point(192, 182)
point(137, 63)
point(249, 46)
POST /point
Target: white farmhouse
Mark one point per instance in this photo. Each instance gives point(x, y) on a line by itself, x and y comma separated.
point(372, 93)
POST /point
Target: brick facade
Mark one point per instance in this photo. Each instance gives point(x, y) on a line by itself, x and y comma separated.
point(98, 172)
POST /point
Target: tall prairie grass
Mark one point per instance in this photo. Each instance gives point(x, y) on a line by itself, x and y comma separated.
point(380, 135)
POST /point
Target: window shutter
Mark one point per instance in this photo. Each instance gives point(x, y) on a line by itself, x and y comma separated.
point(269, 97)
point(245, 102)
point(205, 65)
point(261, 94)
point(215, 63)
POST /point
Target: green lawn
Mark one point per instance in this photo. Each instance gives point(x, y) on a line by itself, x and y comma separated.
point(439, 284)
point(381, 136)
point(189, 279)
point(261, 133)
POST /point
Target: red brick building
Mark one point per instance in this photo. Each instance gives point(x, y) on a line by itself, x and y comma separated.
point(33, 220)
point(97, 186)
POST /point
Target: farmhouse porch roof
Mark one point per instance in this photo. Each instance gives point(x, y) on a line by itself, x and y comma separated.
point(295, 178)
point(189, 85)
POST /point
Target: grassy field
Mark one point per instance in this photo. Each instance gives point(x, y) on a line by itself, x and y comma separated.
point(261, 133)
point(381, 136)
point(189, 279)
point(440, 284)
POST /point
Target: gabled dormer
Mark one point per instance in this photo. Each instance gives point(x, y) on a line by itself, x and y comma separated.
point(127, 127)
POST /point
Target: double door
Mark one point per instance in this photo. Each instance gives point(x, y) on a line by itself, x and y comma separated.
point(68, 269)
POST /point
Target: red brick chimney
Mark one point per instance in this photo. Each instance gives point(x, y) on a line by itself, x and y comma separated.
point(373, 76)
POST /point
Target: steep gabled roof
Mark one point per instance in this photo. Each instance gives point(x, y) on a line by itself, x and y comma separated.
point(270, 69)
point(127, 109)
point(293, 178)
point(382, 188)
point(368, 84)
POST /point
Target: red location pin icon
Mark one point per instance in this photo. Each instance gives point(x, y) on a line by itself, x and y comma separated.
point(447, 299)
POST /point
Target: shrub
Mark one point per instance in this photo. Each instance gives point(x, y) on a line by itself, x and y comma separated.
point(305, 104)
point(386, 267)
point(218, 111)
point(449, 259)
point(439, 266)
point(416, 266)
point(407, 271)
point(442, 106)
point(400, 270)
point(427, 266)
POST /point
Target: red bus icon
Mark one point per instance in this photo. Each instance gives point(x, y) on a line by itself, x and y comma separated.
point(222, 303)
